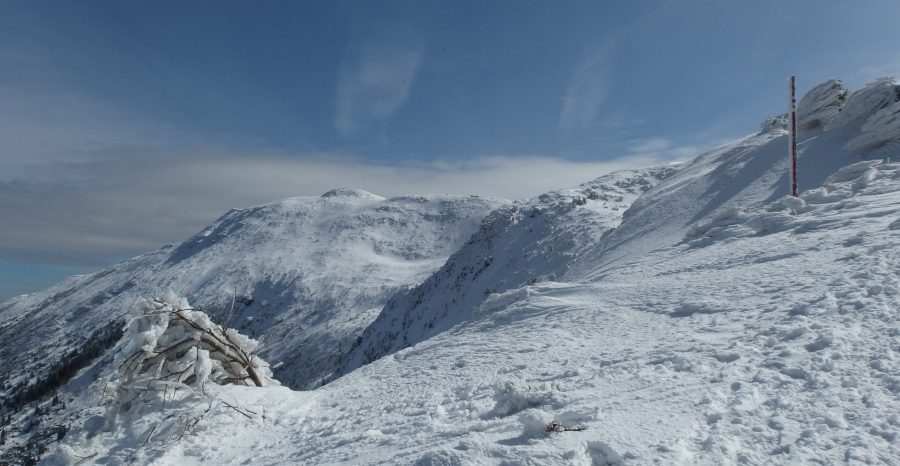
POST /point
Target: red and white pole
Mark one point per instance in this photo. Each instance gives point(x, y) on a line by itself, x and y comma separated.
point(792, 140)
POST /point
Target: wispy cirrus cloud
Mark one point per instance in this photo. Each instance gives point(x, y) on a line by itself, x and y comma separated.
point(587, 89)
point(374, 81)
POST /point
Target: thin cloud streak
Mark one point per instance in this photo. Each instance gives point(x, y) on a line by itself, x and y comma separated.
point(374, 83)
point(588, 88)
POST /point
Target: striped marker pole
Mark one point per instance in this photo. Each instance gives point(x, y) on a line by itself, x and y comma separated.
point(792, 140)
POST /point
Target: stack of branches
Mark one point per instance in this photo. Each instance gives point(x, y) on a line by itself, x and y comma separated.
point(171, 345)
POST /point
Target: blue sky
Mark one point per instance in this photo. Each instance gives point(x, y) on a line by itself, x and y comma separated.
point(126, 125)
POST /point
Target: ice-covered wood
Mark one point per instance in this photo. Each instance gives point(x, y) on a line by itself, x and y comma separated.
point(169, 344)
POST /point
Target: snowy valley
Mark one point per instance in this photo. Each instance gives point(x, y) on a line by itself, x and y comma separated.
point(688, 313)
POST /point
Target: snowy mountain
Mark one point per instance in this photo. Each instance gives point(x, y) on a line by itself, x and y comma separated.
point(686, 314)
point(304, 274)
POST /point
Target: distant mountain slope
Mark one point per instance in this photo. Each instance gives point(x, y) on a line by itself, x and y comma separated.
point(305, 274)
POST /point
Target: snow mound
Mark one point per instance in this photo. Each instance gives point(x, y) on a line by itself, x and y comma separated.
point(853, 172)
point(513, 396)
point(821, 104)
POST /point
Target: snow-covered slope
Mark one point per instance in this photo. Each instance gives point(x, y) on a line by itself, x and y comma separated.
point(304, 274)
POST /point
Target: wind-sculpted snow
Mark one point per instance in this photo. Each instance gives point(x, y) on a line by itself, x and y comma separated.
point(880, 129)
point(863, 103)
point(821, 104)
point(529, 242)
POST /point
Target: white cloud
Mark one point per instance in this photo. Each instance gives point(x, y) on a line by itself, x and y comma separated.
point(587, 90)
point(374, 82)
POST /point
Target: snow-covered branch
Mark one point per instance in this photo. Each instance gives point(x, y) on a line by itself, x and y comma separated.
point(171, 345)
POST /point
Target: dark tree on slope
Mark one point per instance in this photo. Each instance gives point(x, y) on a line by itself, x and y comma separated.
point(63, 370)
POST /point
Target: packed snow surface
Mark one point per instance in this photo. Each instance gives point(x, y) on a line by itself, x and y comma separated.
point(683, 314)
